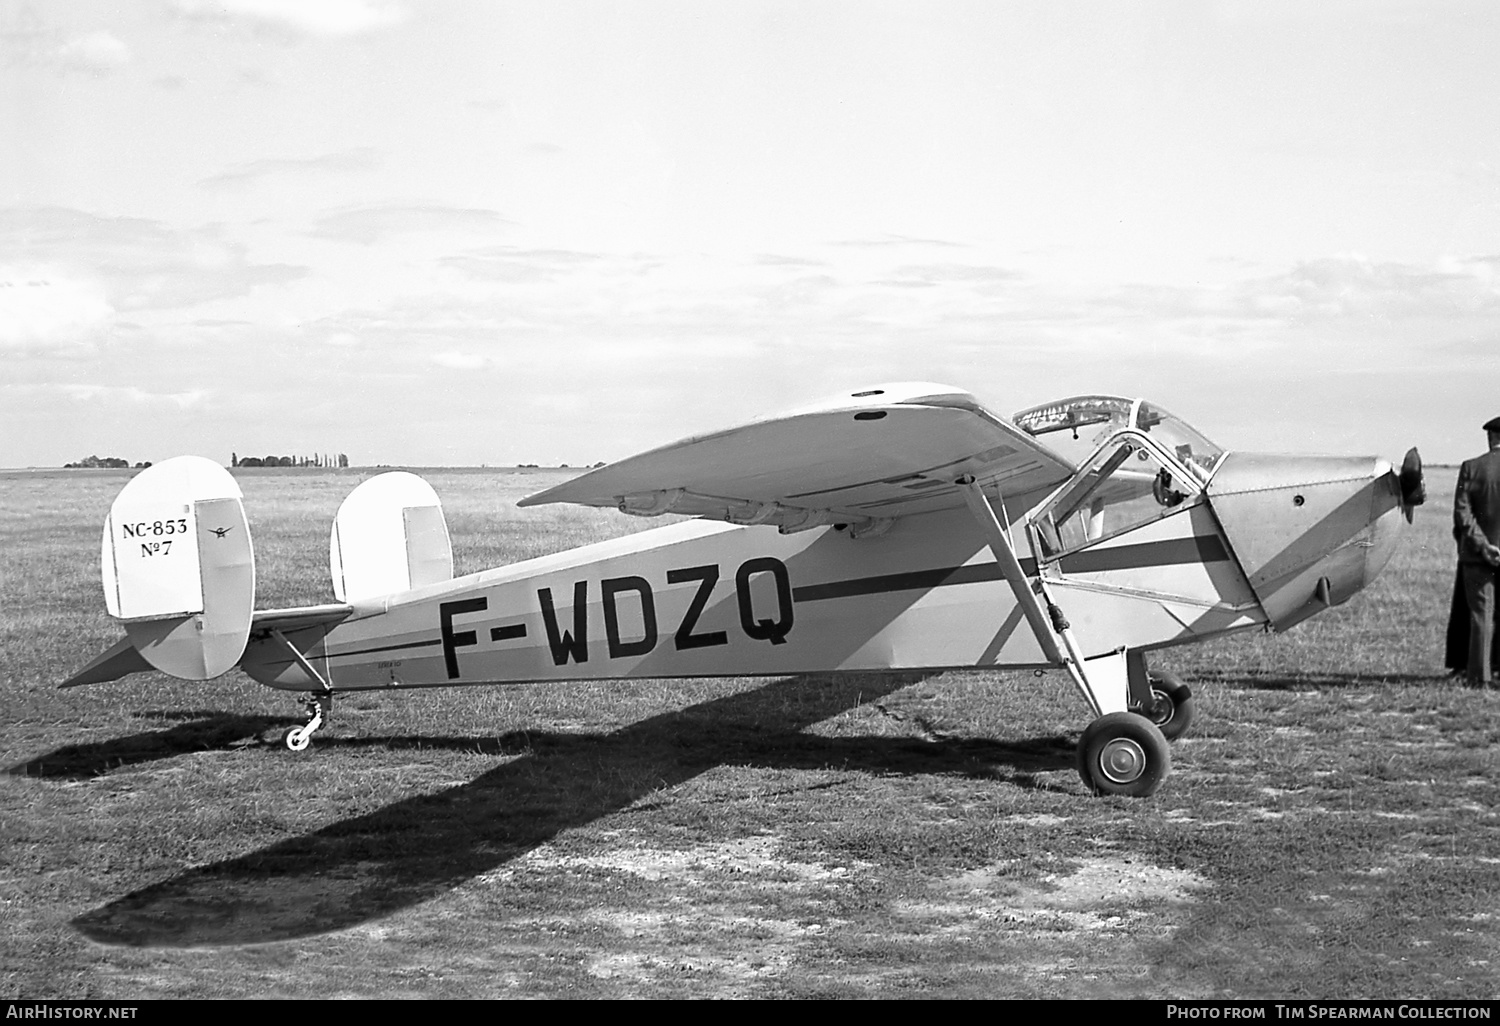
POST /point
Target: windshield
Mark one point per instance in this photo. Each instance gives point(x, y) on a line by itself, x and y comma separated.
point(1124, 485)
point(1074, 428)
point(1196, 452)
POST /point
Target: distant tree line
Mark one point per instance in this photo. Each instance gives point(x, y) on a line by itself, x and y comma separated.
point(319, 460)
point(91, 462)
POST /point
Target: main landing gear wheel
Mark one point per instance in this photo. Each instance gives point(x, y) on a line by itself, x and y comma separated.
point(1123, 753)
point(1174, 707)
point(296, 739)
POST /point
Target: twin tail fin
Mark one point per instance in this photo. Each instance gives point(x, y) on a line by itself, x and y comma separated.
point(178, 566)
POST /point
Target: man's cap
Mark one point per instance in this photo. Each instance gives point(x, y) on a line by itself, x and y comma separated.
point(1493, 425)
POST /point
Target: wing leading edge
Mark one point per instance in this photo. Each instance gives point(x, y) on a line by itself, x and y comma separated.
point(862, 458)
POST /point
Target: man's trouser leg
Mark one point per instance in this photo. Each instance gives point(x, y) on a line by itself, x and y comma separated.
point(1479, 590)
point(1456, 644)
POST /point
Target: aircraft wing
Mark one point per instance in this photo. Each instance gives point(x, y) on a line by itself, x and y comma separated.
point(863, 458)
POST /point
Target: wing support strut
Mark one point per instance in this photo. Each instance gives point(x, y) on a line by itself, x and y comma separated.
point(1010, 567)
point(301, 660)
point(1048, 625)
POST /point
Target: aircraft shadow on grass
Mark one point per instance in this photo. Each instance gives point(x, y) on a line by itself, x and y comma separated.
point(198, 730)
point(1303, 681)
point(370, 866)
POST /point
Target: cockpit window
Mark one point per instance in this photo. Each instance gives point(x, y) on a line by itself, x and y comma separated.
point(1074, 428)
point(1125, 484)
point(1196, 452)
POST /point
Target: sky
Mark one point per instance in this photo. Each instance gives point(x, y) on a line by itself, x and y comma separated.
point(463, 233)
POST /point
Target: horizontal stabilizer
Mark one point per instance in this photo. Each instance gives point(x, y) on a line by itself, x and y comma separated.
point(178, 568)
point(389, 536)
point(117, 662)
point(123, 659)
point(300, 617)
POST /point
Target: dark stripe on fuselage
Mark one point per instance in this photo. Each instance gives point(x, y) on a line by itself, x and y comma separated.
point(911, 581)
point(1200, 548)
point(385, 648)
point(1197, 549)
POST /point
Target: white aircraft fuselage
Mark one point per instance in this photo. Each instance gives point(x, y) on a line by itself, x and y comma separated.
point(702, 598)
point(903, 527)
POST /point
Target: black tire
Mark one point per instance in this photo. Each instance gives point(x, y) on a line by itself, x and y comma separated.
point(1123, 753)
point(1175, 707)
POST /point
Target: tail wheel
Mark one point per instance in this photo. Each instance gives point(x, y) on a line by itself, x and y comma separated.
point(1172, 705)
point(1123, 753)
point(296, 739)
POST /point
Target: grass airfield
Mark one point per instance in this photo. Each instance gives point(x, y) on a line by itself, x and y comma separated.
point(1330, 828)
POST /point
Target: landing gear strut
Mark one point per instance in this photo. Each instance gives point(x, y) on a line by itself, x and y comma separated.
point(296, 739)
point(1121, 752)
point(1172, 705)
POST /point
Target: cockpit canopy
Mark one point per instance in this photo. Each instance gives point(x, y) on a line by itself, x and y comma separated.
point(1074, 428)
point(1135, 461)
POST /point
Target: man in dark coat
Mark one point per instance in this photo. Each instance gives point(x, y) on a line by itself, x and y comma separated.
point(1476, 527)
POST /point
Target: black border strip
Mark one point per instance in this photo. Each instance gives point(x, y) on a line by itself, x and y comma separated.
point(1204, 548)
point(384, 648)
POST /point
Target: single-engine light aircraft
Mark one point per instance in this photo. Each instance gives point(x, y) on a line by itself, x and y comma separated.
point(899, 527)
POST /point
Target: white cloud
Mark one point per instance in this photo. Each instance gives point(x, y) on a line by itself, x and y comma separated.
point(131, 263)
point(116, 394)
point(39, 307)
point(459, 361)
point(1354, 286)
point(31, 42)
point(37, 394)
point(651, 345)
point(97, 53)
point(369, 225)
point(359, 159)
point(513, 264)
point(333, 18)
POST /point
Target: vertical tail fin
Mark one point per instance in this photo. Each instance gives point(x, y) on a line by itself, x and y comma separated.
point(178, 567)
point(389, 536)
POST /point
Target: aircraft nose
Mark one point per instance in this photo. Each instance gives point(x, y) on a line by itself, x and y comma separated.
point(1308, 531)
